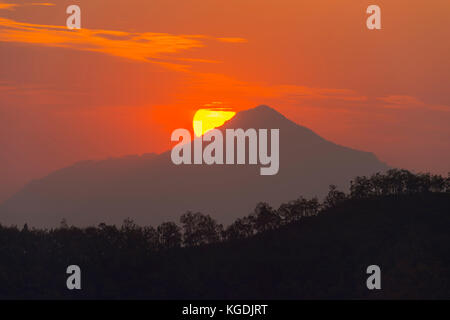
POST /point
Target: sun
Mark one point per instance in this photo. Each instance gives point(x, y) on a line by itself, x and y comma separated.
point(210, 118)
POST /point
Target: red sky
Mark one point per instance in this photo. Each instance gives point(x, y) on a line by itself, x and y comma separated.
point(139, 69)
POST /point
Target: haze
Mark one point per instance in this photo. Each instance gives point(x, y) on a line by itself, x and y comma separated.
point(140, 69)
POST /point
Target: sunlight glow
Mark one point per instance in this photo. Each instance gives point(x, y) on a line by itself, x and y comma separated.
point(210, 118)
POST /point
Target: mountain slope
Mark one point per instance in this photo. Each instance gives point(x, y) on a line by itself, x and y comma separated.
point(152, 189)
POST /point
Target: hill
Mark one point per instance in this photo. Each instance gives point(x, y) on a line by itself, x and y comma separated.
point(152, 189)
point(323, 256)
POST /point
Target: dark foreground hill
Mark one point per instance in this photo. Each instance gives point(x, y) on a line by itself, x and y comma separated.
point(323, 256)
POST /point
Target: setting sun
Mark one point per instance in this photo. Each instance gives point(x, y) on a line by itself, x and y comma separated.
point(207, 119)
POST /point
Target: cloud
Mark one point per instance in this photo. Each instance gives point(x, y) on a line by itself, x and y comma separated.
point(46, 4)
point(443, 108)
point(263, 90)
point(135, 46)
point(145, 46)
point(232, 40)
point(8, 6)
point(409, 102)
point(400, 101)
point(12, 6)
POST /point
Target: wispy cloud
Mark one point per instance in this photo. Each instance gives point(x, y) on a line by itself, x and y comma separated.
point(12, 6)
point(7, 6)
point(264, 90)
point(232, 40)
point(400, 101)
point(409, 102)
point(45, 4)
point(144, 46)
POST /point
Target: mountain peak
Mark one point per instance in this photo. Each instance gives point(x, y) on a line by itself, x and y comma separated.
point(264, 107)
point(262, 110)
point(261, 116)
point(108, 191)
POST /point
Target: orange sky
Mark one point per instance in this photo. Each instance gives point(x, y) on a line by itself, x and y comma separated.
point(139, 69)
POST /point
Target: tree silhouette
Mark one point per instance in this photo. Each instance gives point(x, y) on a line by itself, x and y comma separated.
point(240, 229)
point(334, 197)
point(199, 229)
point(264, 218)
point(121, 259)
point(169, 235)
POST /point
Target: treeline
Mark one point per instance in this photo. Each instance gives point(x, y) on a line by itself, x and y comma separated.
point(196, 229)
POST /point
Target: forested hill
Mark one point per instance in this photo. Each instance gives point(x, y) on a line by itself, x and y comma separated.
point(323, 255)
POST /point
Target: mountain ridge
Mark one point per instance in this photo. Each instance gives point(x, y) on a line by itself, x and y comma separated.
point(152, 189)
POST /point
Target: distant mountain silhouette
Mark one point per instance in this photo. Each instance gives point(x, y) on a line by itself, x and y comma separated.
point(150, 189)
